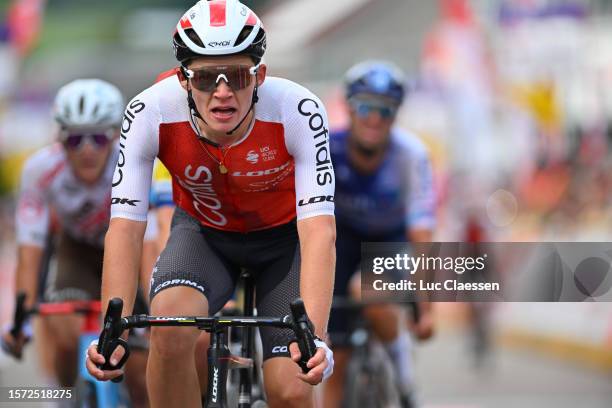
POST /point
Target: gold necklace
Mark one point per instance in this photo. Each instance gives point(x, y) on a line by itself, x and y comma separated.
point(221, 163)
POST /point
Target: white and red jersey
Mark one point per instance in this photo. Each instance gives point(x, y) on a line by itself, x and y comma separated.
point(51, 191)
point(281, 169)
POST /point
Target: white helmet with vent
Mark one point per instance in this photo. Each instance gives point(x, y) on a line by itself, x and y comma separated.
point(219, 27)
point(88, 103)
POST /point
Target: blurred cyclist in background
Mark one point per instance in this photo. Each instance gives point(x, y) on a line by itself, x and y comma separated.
point(64, 207)
point(384, 193)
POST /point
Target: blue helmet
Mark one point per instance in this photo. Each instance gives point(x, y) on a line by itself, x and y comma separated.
point(377, 78)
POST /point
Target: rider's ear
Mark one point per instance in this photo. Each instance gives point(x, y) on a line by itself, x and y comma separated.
point(261, 74)
point(180, 73)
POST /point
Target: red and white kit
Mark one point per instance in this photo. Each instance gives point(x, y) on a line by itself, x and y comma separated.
point(281, 169)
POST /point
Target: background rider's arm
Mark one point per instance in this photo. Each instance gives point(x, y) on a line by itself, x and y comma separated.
point(164, 220)
point(29, 259)
point(32, 222)
point(318, 253)
point(421, 219)
point(122, 255)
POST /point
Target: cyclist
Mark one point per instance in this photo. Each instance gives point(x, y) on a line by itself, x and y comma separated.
point(253, 185)
point(66, 187)
point(384, 193)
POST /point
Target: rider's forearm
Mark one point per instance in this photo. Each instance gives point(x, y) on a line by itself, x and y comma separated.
point(29, 259)
point(318, 252)
point(122, 254)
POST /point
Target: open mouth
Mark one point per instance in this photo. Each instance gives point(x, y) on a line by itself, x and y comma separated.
point(223, 113)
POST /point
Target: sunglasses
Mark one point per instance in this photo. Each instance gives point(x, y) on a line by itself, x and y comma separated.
point(235, 76)
point(365, 108)
point(75, 141)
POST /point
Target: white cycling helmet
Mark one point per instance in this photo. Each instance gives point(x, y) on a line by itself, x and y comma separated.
point(219, 27)
point(88, 103)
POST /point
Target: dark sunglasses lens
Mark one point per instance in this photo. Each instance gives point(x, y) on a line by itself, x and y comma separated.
point(100, 140)
point(74, 141)
point(363, 109)
point(206, 80)
point(386, 112)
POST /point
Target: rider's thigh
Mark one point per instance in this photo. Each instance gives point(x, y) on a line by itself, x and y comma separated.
point(44, 343)
point(176, 301)
point(334, 386)
point(65, 330)
point(283, 388)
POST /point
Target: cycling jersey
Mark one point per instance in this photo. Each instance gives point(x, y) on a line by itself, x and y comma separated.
point(50, 190)
point(281, 169)
point(398, 195)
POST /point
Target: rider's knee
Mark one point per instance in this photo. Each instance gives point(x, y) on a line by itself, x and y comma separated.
point(173, 342)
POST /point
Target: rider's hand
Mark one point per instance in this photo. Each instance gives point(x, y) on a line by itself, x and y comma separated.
point(424, 329)
point(14, 346)
point(321, 364)
point(94, 359)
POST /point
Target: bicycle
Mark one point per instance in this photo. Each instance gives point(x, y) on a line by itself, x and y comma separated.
point(220, 359)
point(371, 380)
point(88, 391)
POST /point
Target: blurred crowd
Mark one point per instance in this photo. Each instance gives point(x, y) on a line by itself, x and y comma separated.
point(511, 95)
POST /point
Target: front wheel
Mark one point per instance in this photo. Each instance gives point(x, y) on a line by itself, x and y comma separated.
point(85, 394)
point(370, 380)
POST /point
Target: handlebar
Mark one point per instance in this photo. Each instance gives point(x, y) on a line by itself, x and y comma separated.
point(345, 303)
point(19, 316)
point(110, 338)
point(115, 325)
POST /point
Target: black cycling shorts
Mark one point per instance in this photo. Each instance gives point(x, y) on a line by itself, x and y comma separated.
point(72, 270)
point(210, 261)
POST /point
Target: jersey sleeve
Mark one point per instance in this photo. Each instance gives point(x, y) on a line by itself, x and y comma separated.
point(421, 196)
point(33, 213)
point(138, 144)
point(307, 140)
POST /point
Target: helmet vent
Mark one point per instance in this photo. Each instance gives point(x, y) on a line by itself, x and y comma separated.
point(193, 36)
point(246, 31)
point(81, 104)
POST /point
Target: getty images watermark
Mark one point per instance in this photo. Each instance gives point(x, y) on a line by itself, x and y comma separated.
point(456, 271)
point(412, 264)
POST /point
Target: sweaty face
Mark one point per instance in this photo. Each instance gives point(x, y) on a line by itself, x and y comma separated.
point(88, 153)
point(222, 89)
point(371, 119)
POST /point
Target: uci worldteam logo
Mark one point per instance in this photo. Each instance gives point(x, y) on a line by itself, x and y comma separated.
point(252, 157)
